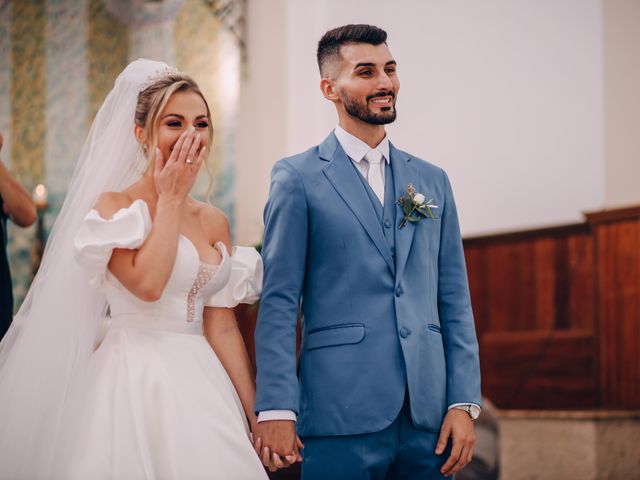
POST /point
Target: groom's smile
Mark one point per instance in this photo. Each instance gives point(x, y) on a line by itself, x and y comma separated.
point(366, 82)
point(383, 100)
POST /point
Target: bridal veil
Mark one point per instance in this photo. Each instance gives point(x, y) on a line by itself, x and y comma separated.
point(43, 355)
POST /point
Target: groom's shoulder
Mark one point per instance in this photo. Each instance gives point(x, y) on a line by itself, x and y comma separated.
point(294, 171)
point(302, 162)
point(423, 166)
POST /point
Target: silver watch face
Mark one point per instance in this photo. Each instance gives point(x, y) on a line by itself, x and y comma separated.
point(473, 412)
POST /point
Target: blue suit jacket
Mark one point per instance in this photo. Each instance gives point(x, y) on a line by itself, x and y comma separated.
point(372, 324)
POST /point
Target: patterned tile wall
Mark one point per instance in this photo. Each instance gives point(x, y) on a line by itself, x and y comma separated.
point(108, 46)
point(59, 59)
point(198, 38)
point(28, 100)
point(28, 117)
point(67, 116)
point(5, 80)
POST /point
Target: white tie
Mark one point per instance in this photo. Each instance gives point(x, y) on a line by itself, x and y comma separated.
point(374, 157)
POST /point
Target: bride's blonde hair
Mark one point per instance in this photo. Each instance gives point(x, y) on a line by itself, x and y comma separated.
point(151, 102)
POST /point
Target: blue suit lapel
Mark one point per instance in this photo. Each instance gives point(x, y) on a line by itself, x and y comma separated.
point(344, 179)
point(404, 173)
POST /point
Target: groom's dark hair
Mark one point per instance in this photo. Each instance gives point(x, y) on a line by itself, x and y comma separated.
point(330, 43)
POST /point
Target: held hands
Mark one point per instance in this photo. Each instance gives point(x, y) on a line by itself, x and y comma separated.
point(457, 424)
point(276, 443)
point(175, 177)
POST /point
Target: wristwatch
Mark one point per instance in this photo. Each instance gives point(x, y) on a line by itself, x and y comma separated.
point(472, 410)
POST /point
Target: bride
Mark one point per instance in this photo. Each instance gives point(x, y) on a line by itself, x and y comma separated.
point(167, 390)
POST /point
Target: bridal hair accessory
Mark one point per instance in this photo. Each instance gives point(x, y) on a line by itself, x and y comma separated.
point(158, 75)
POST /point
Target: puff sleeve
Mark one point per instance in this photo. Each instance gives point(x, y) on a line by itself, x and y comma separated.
point(97, 237)
point(245, 280)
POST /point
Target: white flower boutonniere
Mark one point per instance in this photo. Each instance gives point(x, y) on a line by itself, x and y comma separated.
point(414, 206)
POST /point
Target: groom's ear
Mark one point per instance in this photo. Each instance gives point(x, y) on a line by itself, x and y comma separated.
point(328, 88)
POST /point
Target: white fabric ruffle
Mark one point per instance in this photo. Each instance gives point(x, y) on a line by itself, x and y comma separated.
point(129, 228)
point(97, 238)
point(245, 282)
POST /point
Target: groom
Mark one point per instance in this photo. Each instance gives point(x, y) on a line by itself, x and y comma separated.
point(364, 239)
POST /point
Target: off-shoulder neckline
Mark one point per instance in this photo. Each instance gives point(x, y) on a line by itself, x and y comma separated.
point(217, 245)
point(224, 252)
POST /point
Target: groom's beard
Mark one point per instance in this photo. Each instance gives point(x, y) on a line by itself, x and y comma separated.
point(364, 113)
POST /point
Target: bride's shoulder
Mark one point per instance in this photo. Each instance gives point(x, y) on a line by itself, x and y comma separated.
point(213, 220)
point(109, 203)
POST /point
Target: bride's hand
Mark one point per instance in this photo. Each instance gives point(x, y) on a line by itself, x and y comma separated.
point(175, 177)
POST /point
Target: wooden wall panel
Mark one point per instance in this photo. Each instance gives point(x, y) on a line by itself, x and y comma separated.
point(577, 286)
point(532, 281)
point(582, 297)
point(536, 370)
point(618, 242)
point(545, 273)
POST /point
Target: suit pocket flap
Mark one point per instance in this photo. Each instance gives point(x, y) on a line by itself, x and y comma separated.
point(335, 335)
point(434, 328)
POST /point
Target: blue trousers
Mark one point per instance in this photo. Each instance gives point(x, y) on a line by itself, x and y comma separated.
point(400, 451)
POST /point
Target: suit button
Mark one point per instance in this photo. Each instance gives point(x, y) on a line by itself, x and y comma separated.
point(387, 223)
point(393, 251)
point(398, 291)
point(404, 332)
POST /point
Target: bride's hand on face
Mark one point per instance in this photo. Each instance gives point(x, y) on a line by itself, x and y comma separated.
point(175, 177)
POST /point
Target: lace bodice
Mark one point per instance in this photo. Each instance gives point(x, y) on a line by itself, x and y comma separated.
point(193, 284)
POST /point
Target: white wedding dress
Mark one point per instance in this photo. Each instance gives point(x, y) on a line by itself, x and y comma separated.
point(157, 402)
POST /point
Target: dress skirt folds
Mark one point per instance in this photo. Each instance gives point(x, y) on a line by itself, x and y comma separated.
point(157, 403)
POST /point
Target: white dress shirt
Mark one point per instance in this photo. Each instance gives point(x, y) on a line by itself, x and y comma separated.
point(356, 149)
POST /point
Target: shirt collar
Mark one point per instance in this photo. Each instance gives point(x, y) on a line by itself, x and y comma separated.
point(356, 149)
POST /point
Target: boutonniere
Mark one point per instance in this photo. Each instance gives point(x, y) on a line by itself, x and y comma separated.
point(414, 206)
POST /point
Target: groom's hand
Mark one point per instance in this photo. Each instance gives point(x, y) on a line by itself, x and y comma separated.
point(458, 425)
point(276, 443)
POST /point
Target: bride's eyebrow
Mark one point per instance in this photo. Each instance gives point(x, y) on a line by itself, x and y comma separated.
point(181, 117)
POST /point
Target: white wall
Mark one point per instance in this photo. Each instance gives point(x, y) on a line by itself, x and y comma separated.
point(622, 101)
point(262, 123)
point(506, 95)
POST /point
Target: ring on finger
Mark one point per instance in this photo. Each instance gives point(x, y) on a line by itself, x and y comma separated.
point(188, 161)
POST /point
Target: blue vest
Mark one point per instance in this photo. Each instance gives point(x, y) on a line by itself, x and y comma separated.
point(386, 215)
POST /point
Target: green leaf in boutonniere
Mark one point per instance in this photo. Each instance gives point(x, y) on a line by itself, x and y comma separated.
point(414, 207)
